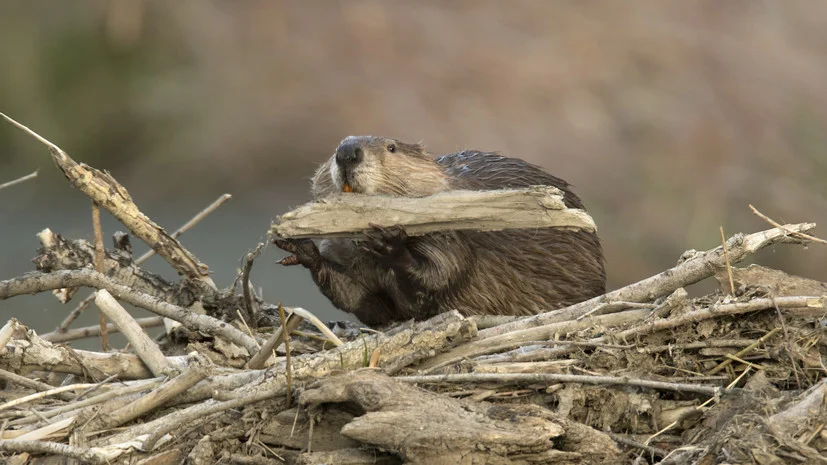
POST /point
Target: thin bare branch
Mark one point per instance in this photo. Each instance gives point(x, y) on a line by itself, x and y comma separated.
point(19, 180)
point(38, 282)
point(102, 188)
point(526, 378)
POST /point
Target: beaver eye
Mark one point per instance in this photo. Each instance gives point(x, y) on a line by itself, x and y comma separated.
point(391, 148)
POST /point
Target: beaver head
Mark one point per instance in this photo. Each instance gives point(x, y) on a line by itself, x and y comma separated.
point(379, 165)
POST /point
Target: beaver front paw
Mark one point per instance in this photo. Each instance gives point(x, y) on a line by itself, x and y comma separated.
point(304, 252)
point(388, 245)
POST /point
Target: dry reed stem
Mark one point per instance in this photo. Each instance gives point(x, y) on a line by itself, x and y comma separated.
point(728, 266)
point(786, 227)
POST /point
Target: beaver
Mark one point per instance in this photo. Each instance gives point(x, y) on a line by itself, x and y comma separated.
point(386, 276)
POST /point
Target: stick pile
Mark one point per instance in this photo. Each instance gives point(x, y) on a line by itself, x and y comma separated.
point(643, 374)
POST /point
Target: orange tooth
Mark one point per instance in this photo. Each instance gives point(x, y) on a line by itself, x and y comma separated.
point(347, 188)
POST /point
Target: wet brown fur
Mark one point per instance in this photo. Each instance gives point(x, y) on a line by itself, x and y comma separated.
point(513, 272)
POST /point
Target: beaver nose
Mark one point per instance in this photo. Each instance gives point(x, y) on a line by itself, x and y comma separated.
point(348, 155)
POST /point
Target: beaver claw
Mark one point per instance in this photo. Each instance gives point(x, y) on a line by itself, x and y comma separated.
point(304, 252)
point(388, 244)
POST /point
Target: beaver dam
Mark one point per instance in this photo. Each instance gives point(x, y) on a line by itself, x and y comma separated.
point(643, 374)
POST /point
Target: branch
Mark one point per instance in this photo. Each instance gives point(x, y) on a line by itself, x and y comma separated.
point(103, 189)
point(32, 283)
point(33, 353)
point(53, 448)
point(525, 378)
point(144, 346)
point(346, 215)
point(698, 266)
point(19, 180)
point(94, 331)
point(525, 336)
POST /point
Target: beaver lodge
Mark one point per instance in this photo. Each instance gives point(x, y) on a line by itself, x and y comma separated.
point(643, 374)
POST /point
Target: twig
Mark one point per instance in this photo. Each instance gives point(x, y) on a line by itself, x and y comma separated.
point(31, 383)
point(735, 358)
point(144, 346)
point(189, 378)
point(288, 368)
point(661, 431)
point(609, 307)
point(179, 418)
point(189, 224)
point(75, 313)
point(637, 445)
point(787, 228)
point(247, 327)
point(245, 286)
point(42, 394)
point(19, 180)
point(709, 343)
point(744, 351)
point(523, 378)
point(721, 310)
point(99, 266)
point(728, 266)
point(94, 331)
point(260, 358)
point(102, 398)
point(789, 346)
point(44, 447)
point(250, 304)
point(100, 187)
point(32, 283)
point(520, 337)
point(696, 268)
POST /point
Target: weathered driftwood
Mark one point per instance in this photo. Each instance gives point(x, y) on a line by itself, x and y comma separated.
point(347, 215)
point(436, 430)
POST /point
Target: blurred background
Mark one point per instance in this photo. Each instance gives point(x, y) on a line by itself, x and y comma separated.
point(669, 117)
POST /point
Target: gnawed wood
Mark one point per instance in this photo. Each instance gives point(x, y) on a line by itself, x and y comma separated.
point(346, 215)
